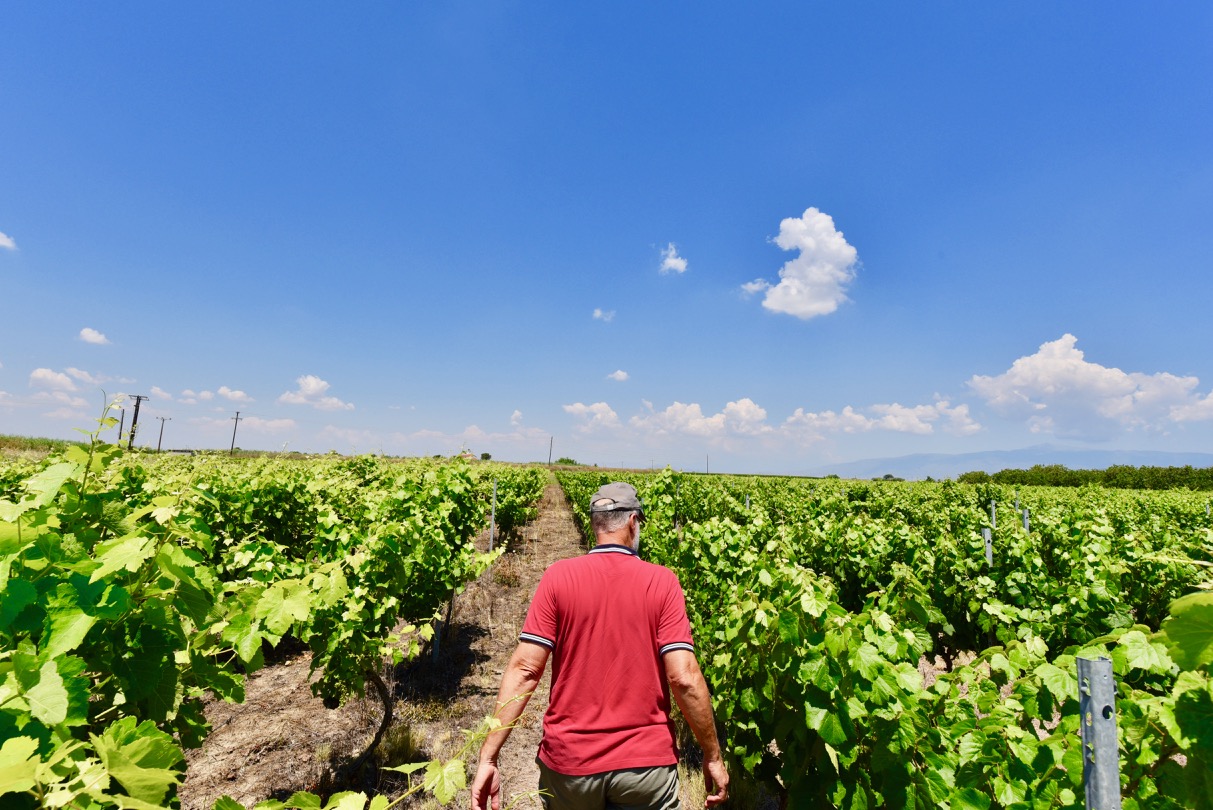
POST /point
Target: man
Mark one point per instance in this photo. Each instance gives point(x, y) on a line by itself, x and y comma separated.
point(617, 630)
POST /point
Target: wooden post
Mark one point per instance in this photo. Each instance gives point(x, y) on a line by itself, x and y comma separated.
point(1027, 526)
point(493, 517)
point(986, 535)
point(993, 515)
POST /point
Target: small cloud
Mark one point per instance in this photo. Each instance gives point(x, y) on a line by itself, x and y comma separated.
point(234, 396)
point(6, 242)
point(671, 262)
point(84, 376)
point(206, 396)
point(51, 380)
point(593, 417)
point(90, 335)
point(815, 282)
point(516, 418)
point(311, 391)
point(756, 286)
point(160, 393)
point(604, 315)
point(266, 425)
point(618, 376)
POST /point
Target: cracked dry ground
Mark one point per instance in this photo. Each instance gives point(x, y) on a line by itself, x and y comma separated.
point(282, 739)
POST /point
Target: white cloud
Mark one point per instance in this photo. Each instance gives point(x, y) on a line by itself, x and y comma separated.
point(618, 376)
point(671, 262)
point(1197, 411)
point(604, 315)
point(90, 335)
point(1056, 390)
point(256, 423)
point(596, 416)
point(516, 418)
point(84, 376)
point(66, 414)
point(160, 393)
point(893, 417)
point(815, 282)
point(206, 396)
point(311, 391)
point(743, 417)
point(52, 380)
point(6, 242)
point(234, 396)
point(355, 438)
point(756, 286)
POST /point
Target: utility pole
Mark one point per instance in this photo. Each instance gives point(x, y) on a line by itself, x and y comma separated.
point(130, 445)
point(162, 419)
point(237, 419)
point(121, 424)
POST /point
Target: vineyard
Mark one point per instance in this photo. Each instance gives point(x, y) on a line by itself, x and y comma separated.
point(865, 645)
point(132, 588)
point(863, 652)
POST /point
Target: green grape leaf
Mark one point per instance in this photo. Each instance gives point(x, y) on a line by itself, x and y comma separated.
point(1194, 715)
point(45, 485)
point(346, 801)
point(1061, 685)
point(813, 602)
point(65, 629)
point(19, 595)
point(827, 724)
point(18, 762)
point(1141, 653)
point(445, 780)
point(970, 799)
point(122, 554)
point(9, 511)
point(1189, 630)
point(142, 758)
point(304, 801)
point(409, 768)
point(47, 698)
point(227, 803)
point(284, 603)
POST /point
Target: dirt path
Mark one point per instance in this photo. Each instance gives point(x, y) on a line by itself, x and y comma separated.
point(281, 739)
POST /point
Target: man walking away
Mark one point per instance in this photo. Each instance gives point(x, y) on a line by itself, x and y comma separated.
point(616, 629)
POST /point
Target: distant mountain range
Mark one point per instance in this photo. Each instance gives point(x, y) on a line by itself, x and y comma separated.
point(940, 465)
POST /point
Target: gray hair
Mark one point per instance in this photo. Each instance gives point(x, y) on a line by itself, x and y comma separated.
point(602, 522)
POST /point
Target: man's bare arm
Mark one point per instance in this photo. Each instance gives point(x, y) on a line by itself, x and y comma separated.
point(521, 677)
point(690, 692)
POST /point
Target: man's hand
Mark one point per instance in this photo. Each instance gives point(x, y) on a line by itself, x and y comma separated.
point(486, 787)
point(715, 777)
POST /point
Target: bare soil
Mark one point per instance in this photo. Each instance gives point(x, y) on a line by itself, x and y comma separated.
point(282, 739)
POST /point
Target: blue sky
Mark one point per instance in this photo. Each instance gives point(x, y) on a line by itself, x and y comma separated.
point(776, 235)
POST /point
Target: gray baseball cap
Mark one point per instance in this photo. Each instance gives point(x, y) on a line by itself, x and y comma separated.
point(615, 497)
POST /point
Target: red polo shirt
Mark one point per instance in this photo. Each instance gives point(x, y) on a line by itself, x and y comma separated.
point(608, 617)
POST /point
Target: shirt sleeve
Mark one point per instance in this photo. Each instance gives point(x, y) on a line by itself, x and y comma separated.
point(673, 626)
point(540, 625)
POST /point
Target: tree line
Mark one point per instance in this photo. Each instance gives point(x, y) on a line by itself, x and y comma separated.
point(1120, 476)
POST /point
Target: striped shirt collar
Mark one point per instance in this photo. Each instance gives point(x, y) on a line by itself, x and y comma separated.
point(613, 548)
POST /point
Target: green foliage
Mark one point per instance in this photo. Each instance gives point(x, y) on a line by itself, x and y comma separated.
point(131, 587)
point(815, 607)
